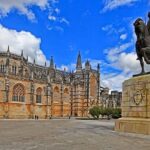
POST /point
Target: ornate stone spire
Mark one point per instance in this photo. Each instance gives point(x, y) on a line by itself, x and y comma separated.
point(8, 49)
point(27, 58)
point(51, 63)
point(7, 60)
point(22, 55)
point(87, 65)
point(79, 63)
point(98, 67)
point(34, 61)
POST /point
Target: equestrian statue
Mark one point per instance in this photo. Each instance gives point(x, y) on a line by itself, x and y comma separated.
point(142, 31)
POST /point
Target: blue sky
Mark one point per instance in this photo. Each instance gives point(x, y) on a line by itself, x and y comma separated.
point(101, 30)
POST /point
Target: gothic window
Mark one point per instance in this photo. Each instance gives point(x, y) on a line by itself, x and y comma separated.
point(14, 70)
point(66, 91)
point(39, 95)
point(2, 67)
point(18, 93)
point(56, 89)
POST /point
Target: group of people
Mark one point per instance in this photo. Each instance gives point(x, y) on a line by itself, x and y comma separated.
point(36, 117)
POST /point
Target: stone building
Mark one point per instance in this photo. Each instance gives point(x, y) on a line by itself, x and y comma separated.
point(28, 89)
point(112, 99)
point(115, 98)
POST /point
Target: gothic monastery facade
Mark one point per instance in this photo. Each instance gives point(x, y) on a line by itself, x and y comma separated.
point(28, 89)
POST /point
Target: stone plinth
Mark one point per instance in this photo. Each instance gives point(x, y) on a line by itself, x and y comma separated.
point(135, 106)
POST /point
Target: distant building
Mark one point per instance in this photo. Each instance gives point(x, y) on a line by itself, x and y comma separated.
point(112, 100)
point(28, 89)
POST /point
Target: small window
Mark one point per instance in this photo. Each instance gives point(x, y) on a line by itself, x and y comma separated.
point(56, 89)
point(39, 95)
point(2, 68)
point(14, 70)
point(66, 91)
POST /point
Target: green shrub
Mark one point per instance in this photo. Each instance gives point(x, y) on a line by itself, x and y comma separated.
point(116, 113)
point(108, 112)
point(95, 112)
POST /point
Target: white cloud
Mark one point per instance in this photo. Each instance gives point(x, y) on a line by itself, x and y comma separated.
point(57, 10)
point(120, 59)
point(58, 19)
point(52, 18)
point(22, 40)
point(112, 29)
point(56, 28)
point(63, 20)
point(123, 36)
point(23, 6)
point(69, 67)
point(112, 53)
point(114, 81)
point(94, 63)
point(112, 4)
point(64, 67)
point(107, 27)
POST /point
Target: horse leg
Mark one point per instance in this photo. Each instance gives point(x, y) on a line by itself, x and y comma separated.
point(142, 65)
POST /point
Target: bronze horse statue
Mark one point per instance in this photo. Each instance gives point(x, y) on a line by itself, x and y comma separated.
point(142, 43)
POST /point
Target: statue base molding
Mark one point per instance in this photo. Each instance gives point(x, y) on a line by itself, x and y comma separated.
point(133, 125)
point(135, 106)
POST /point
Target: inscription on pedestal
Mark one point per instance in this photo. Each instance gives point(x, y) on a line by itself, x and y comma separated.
point(138, 95)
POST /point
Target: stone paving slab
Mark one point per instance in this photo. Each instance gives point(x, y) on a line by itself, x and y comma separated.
point(65, 134)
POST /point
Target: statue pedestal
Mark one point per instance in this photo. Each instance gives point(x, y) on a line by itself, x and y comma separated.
point(135, 106)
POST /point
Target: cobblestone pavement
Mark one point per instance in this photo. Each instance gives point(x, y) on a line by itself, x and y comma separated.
point(66, 134)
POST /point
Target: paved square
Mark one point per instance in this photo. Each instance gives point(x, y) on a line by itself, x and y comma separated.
point(66, 134)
